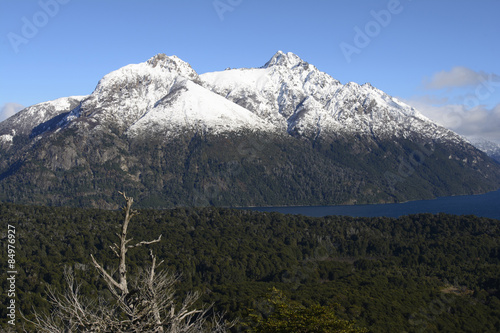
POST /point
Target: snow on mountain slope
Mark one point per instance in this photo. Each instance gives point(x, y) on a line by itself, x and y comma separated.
point(161, 95)
point(286, 95)
point(296, 96)
point(122, 97)
point(366, 109)
point(23, 122)
point(275, 90)
point(492, 149)
point(190, 106)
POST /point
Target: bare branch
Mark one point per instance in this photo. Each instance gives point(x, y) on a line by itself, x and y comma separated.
point(109, 279)
point(114, 247)
point(145, 242)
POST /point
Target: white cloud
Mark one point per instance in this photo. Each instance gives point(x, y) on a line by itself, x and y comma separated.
point(467, 102)
point(459, 77)
point(479, 121)
point(9, 109)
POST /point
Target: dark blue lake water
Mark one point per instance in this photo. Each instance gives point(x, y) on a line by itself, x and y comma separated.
point(484, 205)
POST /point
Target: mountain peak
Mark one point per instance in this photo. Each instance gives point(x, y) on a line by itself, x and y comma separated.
point(159, 59)
point(289, 60)
point(159, 68)
point(172, 64)
point(164, 61)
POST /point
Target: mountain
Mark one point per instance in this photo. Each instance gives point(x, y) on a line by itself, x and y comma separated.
point(163, 94)
point(492, 149)
point(296, 96)
point(37, 118)
point(281, 134)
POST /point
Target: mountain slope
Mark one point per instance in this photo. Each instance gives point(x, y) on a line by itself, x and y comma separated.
point(37, 118)
point(490, 148)
point(122, 97)
point(190, 106)
point(282, 134)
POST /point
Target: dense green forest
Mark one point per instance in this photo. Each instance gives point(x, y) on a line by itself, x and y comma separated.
point(432, 273)
point(198, 169)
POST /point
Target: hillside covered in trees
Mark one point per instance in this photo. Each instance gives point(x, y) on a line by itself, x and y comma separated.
point(415, 273)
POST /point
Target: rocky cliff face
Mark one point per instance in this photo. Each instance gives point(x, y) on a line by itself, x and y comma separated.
point(283, 133)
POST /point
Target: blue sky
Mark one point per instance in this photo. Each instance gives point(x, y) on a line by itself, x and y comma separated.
point(439, 56)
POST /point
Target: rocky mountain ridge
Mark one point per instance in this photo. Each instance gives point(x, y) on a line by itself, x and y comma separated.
point(295, 95)
point(287, 94)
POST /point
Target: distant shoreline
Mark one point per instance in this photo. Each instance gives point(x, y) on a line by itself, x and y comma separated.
point(481, 205)
point(358, 205)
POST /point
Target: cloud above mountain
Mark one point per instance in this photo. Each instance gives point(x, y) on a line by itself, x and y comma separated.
point(463, 100)
point(478, 121)
point(9, 109)
point(459, 76)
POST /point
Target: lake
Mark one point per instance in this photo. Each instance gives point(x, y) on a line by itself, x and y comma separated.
point(484, 205)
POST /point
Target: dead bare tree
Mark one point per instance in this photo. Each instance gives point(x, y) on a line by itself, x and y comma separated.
point(120, 288)
point(152, 307)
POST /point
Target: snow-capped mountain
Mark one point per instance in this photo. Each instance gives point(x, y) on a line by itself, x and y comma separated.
point(286, 95)
point(295, 95)
point(489, 147)
point(162, 95)
point(28, 120)
point(283, 133)
point(275, 91)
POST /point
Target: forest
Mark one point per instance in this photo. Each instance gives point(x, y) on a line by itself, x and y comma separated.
point(198, 169)
point(417, 273)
